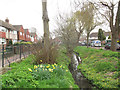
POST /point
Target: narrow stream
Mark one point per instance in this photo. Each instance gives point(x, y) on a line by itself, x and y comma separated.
point(80, 80)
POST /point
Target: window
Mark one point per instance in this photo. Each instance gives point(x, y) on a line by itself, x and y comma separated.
point(21, 33)
point(14, 32)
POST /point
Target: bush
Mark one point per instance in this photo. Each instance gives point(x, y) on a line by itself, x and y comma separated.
point(38, 50)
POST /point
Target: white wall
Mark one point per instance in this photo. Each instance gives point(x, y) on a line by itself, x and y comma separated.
point(2, 40)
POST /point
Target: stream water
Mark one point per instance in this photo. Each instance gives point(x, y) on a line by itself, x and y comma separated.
point(80, 80)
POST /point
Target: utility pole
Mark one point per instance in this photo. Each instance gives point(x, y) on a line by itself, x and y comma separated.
point(46, 29)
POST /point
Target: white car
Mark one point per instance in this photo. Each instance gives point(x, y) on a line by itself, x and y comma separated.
point(96, 43)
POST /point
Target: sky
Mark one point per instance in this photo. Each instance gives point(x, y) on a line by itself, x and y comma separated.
point(29, 12)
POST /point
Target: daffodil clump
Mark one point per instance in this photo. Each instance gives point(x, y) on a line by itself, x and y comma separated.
point(46, 71)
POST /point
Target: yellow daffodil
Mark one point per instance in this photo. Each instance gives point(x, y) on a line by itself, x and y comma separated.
point(40, 60)
point(35, 67)
point(51, 70)
point(60, 66)
point(55, 64)
point(66, 70)
point(63, 67)
point(41, 66)
point(29, 69)
point(47, 66)
point(36, 70)
point(53, 67)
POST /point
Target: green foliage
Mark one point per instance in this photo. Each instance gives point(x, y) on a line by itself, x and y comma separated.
point(109, 37)
point(101, 35)
point(99, 66)
point(10, 42)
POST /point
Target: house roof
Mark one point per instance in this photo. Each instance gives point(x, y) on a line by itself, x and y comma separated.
point(95, 34)
point(6, 25)
point(25, 30)
point(17, 27)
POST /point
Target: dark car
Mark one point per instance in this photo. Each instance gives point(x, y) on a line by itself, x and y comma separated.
point(108, 45)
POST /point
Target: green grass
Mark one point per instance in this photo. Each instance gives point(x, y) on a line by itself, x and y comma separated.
point(21, 77)
point(100, 66)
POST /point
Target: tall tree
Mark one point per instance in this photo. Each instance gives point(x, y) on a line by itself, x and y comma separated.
point(107, 10)
point(89, 19)
point(79, 24)
point(46, 29)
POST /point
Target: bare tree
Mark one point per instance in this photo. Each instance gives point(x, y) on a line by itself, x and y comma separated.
point(91, 23)
point(46, 29)
point(107, 10)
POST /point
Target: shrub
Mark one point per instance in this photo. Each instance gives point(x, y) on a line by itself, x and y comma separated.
point(38, 50)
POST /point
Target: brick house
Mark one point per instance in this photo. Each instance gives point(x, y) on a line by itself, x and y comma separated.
point(11, 33)
point(33, 37)
point(2, 36)
point(20, 32)
point(27, 35)
point(7, 32)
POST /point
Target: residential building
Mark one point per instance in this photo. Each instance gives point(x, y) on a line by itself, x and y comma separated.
point(33, 37)
point(7, 34)
point(94, 35)
point(27, 35)
point(2, 35)
point(11, 33)
point(20, 32)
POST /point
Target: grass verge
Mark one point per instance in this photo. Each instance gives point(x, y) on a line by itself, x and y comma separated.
point(26, 75)
point(100, 67)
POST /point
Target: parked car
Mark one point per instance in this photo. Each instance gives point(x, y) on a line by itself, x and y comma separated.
point(96, 43)
point(108, 45)
point(83, 44)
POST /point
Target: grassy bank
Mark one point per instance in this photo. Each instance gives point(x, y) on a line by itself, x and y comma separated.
point(27, 75)
point(100, 66)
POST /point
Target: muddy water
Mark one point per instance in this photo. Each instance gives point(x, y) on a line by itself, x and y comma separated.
point(80, 80)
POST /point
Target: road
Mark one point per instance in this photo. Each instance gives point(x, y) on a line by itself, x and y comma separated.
point(103, 48)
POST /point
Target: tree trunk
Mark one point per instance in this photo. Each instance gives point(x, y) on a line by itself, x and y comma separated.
point(114, 40)
point(46, 30)
point(115, 29)
point(87, 39)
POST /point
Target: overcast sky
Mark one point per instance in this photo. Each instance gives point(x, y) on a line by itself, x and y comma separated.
point(29, 12)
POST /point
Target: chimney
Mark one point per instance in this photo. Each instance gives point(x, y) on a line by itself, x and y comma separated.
point(7, 20)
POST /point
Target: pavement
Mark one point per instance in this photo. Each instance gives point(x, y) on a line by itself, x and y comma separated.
point(12, 59)
point(103, 48)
